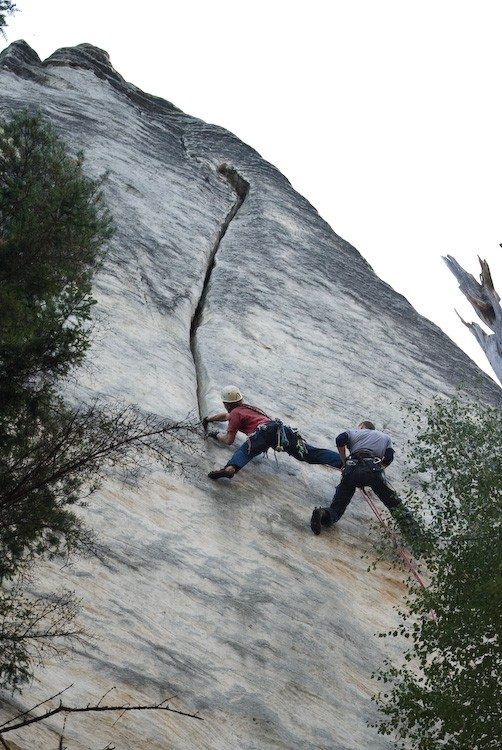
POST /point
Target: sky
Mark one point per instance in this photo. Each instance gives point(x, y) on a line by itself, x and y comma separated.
point(384, 114)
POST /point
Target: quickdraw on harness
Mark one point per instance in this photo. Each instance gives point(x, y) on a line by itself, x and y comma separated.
point(282, 438)
point(282, 441)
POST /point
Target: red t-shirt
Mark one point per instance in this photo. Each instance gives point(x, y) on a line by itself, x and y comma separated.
point(243, 419)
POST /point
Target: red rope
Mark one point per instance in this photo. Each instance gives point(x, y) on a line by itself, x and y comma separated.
point(393, 539)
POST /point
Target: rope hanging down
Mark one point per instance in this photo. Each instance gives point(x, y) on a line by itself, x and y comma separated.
point(393, 539)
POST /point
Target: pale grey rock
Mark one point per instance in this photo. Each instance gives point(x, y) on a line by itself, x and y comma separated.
point(219, 593)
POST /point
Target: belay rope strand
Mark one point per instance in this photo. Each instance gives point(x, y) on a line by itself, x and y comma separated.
point(402, 554)
point(391, 536)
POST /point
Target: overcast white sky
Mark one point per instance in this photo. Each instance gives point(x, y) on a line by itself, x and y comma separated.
point(384, 114)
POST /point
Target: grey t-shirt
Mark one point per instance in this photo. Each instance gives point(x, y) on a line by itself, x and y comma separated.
point(373, 442)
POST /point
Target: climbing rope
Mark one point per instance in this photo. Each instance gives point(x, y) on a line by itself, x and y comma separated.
point(391, 536)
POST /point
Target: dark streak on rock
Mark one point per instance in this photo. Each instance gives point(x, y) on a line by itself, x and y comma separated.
point(241, 187)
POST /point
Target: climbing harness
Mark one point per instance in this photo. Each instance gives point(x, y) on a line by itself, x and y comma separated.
point(285, 437)
point(260, 427)
point(283, 441)
point(370, 462)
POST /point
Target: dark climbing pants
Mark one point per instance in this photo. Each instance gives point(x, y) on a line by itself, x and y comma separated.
point(266, 436)
point(360, 474)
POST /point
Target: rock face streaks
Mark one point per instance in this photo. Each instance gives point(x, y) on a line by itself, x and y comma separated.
point(219, 593)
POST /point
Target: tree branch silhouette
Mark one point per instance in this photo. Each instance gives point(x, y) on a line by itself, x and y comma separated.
point(23, 720)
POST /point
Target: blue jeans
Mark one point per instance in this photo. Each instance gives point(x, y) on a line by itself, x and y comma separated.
point(360, 474)
point(266, 436)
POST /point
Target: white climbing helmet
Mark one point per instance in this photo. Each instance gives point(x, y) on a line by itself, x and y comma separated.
point(231, 394)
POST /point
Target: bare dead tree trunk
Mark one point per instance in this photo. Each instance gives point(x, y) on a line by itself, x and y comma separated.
point(486, 303)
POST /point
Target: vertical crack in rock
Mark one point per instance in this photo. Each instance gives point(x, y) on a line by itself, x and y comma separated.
point(241, 188)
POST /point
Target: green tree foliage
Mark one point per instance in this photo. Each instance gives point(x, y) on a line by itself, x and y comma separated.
point(53, 228)
point(53, 224)
point(6, 8)
point(446, 694)
point(33, 627)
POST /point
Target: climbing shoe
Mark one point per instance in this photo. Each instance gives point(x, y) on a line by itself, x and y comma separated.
point(316, 520)
point(221, 474)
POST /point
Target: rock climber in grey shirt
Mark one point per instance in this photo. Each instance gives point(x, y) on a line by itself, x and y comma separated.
point(370, 452)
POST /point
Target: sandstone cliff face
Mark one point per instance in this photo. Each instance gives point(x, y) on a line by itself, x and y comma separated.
point(219, 593)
